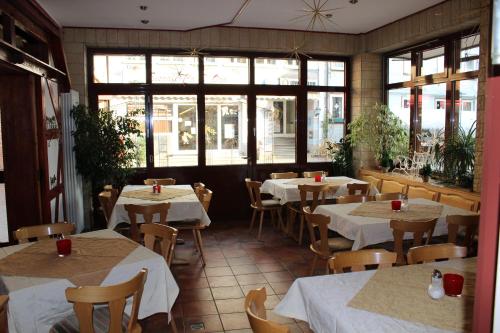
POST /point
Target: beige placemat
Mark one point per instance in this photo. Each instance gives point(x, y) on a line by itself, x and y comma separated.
point(89, 263)
point(401, 292)
point(311, 181)
point(382, 209)
point(166, 193)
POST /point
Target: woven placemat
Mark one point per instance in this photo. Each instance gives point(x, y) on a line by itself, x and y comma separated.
point(382, 209)
point(166, 193)
point(311, 181)
point(401, 292)
point(89, 263)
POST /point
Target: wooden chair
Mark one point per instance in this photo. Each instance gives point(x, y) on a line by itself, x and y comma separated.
point(312, 174)
point(418, 228)
point(469, 222)
point(147, 211)
point(84, 299)
point(4, 301)
point(256, 313)
point(159, 181)
point(354, 188)
point(392, 186)
point(390, 196)
point(358, 260)
point(43, 231)
point(284, 175)
point(163, 236)
point(458, 201)
point(414, 191)
point(354, 198)
point(323, 247)
point(430, 253)
point(259, 205)
point(198, 189)
point(375, 182)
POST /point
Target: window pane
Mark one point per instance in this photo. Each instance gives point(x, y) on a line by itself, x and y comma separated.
point(399, 104)
point(467, 105)
point(400, 68)
point(276, 120)
point(175, 136)
point(226, 130)
point(325, 122)
point(174, 69)
point(433, 115)
point(325, 73)
point(119, 69)
point(276, 71)
point(469, 54)
point(226, 70)
point(121, 105)
point(432, 61)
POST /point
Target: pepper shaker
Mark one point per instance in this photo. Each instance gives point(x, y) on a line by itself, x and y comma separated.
point(435, 289)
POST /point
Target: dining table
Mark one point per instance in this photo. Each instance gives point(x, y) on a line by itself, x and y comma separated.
point(287, 190)
point(379, 301)
point(35, 277)
point(184, 204)
point(371, 226)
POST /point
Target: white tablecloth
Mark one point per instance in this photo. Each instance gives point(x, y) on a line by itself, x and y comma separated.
point(35, 304)
point(372, 230)
point(187, 207)
point(322, 302)
point(290, 192)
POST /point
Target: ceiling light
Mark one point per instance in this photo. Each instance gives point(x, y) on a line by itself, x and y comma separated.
point(143, 7)
point(144, 21)
point(353, 1)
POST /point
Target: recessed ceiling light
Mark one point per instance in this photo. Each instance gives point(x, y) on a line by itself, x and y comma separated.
point(329, 15)
point(144, 21)
point(353, 1)
point(143, 7)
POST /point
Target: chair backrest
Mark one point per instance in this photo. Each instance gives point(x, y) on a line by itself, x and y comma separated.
point(310, 195)
point(418, 228)
point(107, 203)
point(469, 222)
point(206, 198)
point(198, 189)
point(256, 313)
point(318, 222)
point(312, 174)
point(164, 236)
point(391, 186)
point(458, 201)
point(375, 182)
point(284, 175)
point(159, 181)
point(43, 231)
point(390, 196)
point(354, 198)
point(115, 296)
point(147, 212)
point(414, 191)
point(355, 188)
point(253, 188)
point(358, 260)
point(4, 301)
point(430, 253)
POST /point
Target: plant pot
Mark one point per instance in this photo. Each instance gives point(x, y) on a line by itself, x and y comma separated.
point(425, 179)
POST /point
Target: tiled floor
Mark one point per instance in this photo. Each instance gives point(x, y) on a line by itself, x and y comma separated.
point(211, 298)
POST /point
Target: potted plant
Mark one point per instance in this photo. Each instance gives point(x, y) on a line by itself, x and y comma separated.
point(426, 172)
point(341, 155)
point(382, 132)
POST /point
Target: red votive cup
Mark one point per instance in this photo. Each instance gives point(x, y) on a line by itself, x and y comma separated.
point(396, 205)
point(453, 284)
point(317, 179)
point(63, 247)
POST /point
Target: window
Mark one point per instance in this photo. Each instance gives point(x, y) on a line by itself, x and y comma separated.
point(433, 115)
point(119, 69)
point(276, 121)
point(226, 70)
point(226, 129)
point(276, 71)
point(469, 54)
point(467, 104)
point(325, 73)
point(398, 101)
point(432, 61)
point(169, 69)
point(399, 68)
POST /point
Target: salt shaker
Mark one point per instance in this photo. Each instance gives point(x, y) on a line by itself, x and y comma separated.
point(435, 289)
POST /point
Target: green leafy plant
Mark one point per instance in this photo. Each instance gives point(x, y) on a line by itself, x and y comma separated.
point(341, 154)
point(105, 148)
point(382, 132)
point(426, 170)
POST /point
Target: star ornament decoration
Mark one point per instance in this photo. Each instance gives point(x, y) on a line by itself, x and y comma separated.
point(317, 13)
point(195, 52)
point(297, 52)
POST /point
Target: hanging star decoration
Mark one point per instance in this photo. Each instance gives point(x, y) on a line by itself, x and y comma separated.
point(317, 13)
point(195, 51)
point(297, 51)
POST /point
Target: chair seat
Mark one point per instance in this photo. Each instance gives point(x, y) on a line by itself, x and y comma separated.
point(101, 322)
point(270, 203)
point(338, 243)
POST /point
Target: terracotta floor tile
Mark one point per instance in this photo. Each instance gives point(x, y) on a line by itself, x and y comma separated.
point(222, 281)
point(199, 308)
point(218, 271)
point(212, 324)
point(240, 261)
point(230, 305)
point(271, 301)
point(233, 253)
point(190, 295)
point(192, 283)
point(227, 292)
point(247, 279)
point(270, 267)
point(281, 287)
point(234, 321)
point(216, 263)
point(247, 288)
point(244, 269)
point(278, 276)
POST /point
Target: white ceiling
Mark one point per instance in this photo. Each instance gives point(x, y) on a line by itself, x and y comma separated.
point(364, 16)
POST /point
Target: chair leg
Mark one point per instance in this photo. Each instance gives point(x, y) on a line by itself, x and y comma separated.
point(301, 231)
point(273, 219)
point(253, 220)
point(327, 268)
point(260, 224)
point(195, 241)
point(173, 326)
point(200, 245)
point(280, 220)
point(313, 266)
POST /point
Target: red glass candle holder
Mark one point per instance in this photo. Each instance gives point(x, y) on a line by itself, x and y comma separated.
point(63, 247)
point(317, 179)
point(453, 284)
point(396, 205)
point(158, 188)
